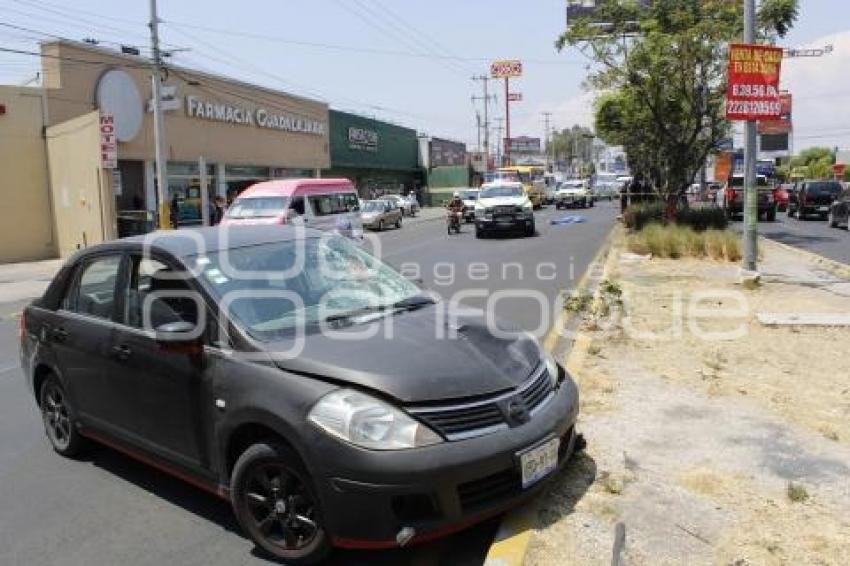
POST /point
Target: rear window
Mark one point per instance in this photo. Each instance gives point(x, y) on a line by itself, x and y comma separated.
point(336, 203)
point(739, 182)
point(824, 188)
point(257, 207)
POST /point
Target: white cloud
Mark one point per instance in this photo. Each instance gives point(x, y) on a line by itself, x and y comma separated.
point(821, 89)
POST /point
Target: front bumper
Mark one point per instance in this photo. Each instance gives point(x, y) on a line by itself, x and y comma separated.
point(369, 496)
point(572, 200)
point(492, 223)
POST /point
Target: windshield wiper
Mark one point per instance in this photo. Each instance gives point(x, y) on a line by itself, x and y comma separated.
point(413, 303)
point(409, 304)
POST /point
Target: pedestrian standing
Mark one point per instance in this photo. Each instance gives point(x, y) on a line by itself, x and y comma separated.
point(220, 206)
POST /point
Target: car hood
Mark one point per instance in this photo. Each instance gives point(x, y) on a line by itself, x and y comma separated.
point(502, 201)
point(432, 355)
point(369, 215)
point(570, 191)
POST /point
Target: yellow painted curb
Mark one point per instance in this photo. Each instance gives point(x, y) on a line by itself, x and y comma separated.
point(564, 317)
point(510, 544)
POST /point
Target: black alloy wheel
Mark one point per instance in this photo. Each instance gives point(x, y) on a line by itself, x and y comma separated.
point(276, 505)
point(58, 417)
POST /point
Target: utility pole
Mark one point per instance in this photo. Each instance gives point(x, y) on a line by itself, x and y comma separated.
point(499, 137)
point(164, 217)
point(478, 129)
point(750, 141)
point(486, 98)
point(546, 117)
point(507, 123)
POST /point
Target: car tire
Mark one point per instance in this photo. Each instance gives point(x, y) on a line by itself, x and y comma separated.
point(380, 226)
point(832, 222)
point(59, 417)
point(398, 224)
point(771, 215)
point(530, 230)
point(479, 233)
point(276, 505)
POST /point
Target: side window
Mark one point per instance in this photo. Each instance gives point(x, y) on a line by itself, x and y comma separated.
point(94, 292)
point(297, 205)
point(352, 203)
point(157, 295)
point(337, 203)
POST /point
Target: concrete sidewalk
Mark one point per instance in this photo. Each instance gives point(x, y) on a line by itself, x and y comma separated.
point(21, 282)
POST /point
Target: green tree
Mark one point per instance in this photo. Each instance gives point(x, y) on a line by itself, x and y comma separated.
point(662, 72)
point(573, 145)
point(814, 162)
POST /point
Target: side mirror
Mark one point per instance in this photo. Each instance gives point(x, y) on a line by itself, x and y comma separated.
point(179, 337)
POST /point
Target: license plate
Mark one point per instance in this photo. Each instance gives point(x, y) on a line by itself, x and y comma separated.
point(504, 219)
point(823, 209)
point(538, 462)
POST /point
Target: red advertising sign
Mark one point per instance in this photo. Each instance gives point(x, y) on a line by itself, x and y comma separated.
point(515, 97)
point(839, 169)
point(753, 92)
point(506, 69)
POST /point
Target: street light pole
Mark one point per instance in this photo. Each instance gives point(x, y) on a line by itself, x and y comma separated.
point(163, 209)
point(750, 141)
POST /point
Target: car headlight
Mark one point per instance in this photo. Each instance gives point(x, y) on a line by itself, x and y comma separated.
point(368, 422)
point(526, 206)
point(552, 368)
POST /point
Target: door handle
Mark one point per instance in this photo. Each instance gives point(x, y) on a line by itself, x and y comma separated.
point(59, 334)
point(122, 352)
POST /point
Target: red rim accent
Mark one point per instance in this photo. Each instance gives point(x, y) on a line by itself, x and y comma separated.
point(216, 490)
point(359, 544)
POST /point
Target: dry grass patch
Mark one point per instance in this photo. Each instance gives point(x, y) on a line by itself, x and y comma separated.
point(675, 242)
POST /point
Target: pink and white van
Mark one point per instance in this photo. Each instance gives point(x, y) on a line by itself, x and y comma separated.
point(325, 204)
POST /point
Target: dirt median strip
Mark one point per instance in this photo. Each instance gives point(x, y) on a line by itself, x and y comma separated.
point(709, 450)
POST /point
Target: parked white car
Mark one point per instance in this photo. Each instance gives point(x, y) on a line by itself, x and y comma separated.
point(573, 193)
point(503, 205)
point(408, 207)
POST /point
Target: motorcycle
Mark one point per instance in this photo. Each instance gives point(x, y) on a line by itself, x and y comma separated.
point(453, 222)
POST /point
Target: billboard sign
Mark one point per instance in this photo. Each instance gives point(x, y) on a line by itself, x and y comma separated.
point(753, 74)
point(784, 124)
point(514, 97)
point(775, 143)
point(108, 142)
point(445, 153)
point(362, 139)
point(506, 69)
point(524, 144)
point(587, 10)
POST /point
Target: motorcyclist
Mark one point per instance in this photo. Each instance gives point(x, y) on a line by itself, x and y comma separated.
point(456, 204)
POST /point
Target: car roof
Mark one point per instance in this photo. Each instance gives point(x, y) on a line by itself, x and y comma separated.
point(288, 187)
point(187, 242)
point(502, 183)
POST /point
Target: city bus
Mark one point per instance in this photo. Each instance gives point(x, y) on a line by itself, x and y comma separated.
point(532, 179)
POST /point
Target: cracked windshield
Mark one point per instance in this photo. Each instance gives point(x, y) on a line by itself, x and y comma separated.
point(394, 283)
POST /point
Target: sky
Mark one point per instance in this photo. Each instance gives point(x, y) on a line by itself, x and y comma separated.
point(409, 62)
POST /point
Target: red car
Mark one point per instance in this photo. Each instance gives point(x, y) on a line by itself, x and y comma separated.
point(781, 195)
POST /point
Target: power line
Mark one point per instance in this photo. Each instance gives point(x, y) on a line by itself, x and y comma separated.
point(81, 11)
point(351, 48)
point(69, 59)
point(415, 31)
point(379, 23)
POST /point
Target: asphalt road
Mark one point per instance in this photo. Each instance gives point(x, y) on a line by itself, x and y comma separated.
point(108, 509)
point(811, 234)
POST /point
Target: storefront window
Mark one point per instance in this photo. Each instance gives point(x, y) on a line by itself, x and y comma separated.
point(184, 192)
point(246, 171)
